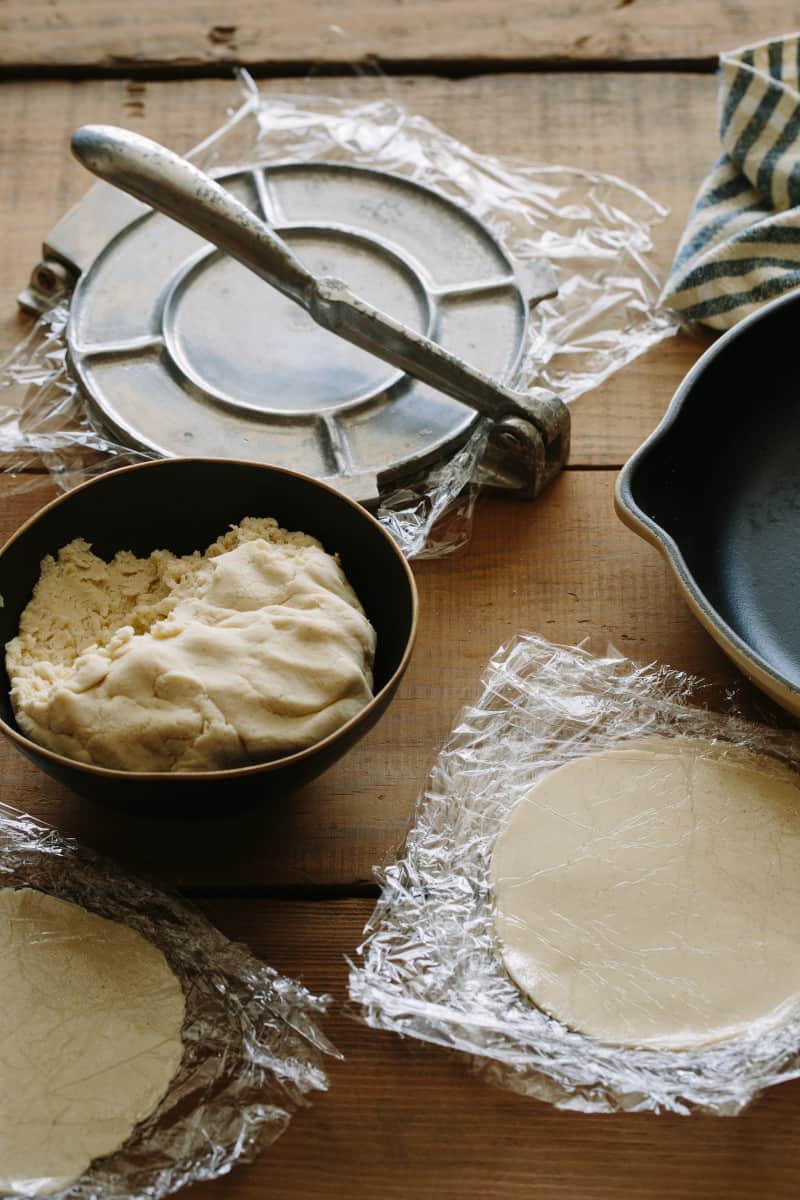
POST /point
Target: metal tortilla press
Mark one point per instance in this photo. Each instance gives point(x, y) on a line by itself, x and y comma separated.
point(180, 351)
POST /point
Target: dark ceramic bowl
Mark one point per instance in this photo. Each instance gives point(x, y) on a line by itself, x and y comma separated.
point(184, 505)
point(716, 488)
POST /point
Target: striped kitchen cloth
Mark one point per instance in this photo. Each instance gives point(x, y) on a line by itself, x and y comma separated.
point(741, 246)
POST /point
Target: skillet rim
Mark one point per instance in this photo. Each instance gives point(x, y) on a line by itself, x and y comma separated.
point(749, 661)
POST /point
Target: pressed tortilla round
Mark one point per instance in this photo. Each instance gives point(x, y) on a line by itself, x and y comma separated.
point(650, 895)
point(92, 1018)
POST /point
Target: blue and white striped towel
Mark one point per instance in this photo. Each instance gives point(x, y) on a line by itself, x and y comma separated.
point(741, 246)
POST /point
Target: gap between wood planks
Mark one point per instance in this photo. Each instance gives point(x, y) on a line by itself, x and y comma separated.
point(445, 68)
point(359, 889)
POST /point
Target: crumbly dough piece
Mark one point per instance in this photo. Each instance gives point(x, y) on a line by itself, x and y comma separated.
point(92, 1018)
point(255, 648)
point(650, 895)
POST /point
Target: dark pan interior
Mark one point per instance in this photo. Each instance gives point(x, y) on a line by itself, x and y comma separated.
point(723, 480)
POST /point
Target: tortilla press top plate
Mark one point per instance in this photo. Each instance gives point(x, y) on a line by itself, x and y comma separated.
point(182, 350)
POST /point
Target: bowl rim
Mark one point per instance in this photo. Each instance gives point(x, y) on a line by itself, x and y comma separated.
point(749, 661)
point(186, 778)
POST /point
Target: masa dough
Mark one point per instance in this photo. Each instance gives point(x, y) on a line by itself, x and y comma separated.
point(92, 1019)
point(650, 895)
point(256, 648)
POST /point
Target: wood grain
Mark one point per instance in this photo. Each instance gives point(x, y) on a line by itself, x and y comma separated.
point(564, 567)
point(403, 1119)
point(114, 35)
point(599, 121)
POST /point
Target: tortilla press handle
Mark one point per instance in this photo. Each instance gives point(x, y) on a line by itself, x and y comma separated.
point(169, 183)
point(531, 428)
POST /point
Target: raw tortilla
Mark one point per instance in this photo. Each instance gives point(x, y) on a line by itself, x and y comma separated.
point(92, 1020)
point(650, 896)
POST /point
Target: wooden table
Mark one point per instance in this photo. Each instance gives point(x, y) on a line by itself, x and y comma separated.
point(626, 87)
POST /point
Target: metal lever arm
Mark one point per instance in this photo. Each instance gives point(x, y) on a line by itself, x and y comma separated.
point(336, 308)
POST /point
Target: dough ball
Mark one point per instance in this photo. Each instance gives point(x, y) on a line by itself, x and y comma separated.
point(254, 649)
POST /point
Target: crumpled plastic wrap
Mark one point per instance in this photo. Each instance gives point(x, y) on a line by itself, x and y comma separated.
point(252, 1049)
point(594, 229)
point(430, 966)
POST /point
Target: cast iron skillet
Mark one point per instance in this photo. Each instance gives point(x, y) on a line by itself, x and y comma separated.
point(716, 488)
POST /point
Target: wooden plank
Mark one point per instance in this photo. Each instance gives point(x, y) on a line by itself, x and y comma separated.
point(403, 1119)
point(610, 122)
point(563, 566)
point(114, 35)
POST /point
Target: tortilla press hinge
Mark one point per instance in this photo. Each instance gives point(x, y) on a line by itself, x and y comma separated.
point(521, 458)
point(51, 280)
point(73, 244)
point(525, 453)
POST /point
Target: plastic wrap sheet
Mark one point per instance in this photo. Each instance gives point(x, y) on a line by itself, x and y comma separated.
point(252, 1049)
point(430, 966)
point(593, 228)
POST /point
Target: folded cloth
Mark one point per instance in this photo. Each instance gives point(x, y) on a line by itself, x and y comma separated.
point(741, 246)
